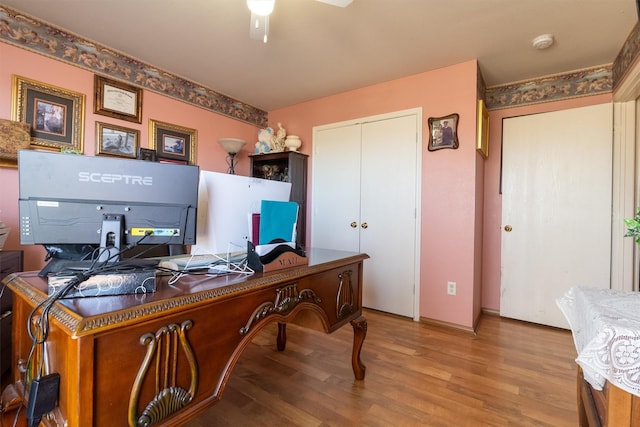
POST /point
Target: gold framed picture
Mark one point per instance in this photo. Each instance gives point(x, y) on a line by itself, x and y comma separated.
point(172, 142)
point(56, 115)
point(116, 99)
point(112, 140)
point(483, 129)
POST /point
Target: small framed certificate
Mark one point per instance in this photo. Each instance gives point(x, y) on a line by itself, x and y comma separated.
point(118, 100)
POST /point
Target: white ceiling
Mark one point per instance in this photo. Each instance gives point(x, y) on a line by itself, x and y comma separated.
point(315, 49)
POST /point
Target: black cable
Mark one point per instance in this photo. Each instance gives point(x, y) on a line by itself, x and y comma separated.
point(39, 331)
point(94, 268)
point(48, 303)
point(150, 248)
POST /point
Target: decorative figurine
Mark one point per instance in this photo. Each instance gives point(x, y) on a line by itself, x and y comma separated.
point(277, 141)
point(293, 142)
point(264, 141)
point(270, 171)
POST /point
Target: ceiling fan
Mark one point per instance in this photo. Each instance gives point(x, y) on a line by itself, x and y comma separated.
point(261, 9)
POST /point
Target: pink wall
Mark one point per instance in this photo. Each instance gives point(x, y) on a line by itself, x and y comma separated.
point(449, 251)
point(210, 127)
point(492, 200)
point(461, 207)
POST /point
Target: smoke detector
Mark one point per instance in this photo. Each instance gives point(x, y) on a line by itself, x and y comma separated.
point(543, 41)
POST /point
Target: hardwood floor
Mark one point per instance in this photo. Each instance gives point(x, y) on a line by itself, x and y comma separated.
point(510, 374)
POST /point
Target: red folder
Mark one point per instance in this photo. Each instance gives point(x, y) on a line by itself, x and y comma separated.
point(255, 228)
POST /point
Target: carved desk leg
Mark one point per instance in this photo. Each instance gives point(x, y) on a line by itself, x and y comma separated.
point(10, 403)
point(359, 333)
point(281, 340)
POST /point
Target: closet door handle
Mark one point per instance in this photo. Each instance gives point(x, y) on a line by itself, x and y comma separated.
point(364, 225)
point(354, 224)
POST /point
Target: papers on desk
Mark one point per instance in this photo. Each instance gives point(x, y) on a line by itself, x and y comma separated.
point(262, 250)
point(275, 225)
point(277, 221)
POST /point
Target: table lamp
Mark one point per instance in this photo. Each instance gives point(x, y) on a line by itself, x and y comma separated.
point(232, 146)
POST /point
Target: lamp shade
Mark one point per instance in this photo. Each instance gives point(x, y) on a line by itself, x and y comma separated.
point(261, 7)
point(231, 145)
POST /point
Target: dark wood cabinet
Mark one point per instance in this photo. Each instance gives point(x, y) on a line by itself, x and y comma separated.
point(10, 262)
point(288, 166)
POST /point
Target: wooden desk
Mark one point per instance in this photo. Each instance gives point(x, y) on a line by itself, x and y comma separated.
point(10, 262)
point(162, 357)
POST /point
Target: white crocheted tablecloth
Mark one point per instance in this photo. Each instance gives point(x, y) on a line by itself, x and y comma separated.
point(606, 330)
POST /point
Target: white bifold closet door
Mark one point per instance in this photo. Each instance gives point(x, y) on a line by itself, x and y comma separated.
point(364, 179)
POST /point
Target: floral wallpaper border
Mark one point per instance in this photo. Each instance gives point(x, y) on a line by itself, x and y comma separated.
point(591, 81)
point(628, 54)
point(32, 34)
point(586, 82)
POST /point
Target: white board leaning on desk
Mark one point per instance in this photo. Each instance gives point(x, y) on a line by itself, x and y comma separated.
point(225, 202)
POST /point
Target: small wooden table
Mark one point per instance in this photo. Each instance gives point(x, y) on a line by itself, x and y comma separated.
point(162, 357)
point(605, 324)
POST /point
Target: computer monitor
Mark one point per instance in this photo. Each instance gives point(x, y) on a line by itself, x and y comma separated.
point(69, 200)
point(225, 204)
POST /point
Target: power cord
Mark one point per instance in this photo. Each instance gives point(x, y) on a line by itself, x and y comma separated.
point(44, 389)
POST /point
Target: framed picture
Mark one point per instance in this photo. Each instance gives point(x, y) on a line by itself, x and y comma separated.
point(56, 115)
point(112, 140)
point(118, 100)
point(173, 142)
point(443, 132)
point(175, 162)
point(147, 154)
point(483, 129)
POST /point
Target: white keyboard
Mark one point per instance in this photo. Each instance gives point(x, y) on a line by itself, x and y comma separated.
point(206, 260)
point(203, 260)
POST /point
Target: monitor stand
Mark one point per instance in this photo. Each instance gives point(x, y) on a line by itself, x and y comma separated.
point(111, 237)
point(60, 255)
point(79, 257)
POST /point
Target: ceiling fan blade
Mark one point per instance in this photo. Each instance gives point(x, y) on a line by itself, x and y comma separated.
point(259, 27)
point(340, 3)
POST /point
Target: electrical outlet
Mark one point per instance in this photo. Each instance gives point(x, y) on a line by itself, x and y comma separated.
point(451, 288)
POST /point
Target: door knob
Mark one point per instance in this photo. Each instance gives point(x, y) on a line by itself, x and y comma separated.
point(365, 225)
point(354, 224)
point(508, 228)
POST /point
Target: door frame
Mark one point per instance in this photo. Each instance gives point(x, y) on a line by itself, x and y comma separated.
point(625, 263)
point(417, 112)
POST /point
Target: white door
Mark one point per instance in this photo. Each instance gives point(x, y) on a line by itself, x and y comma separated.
point(556, 209)
point(364, 199)
point(335, 192)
